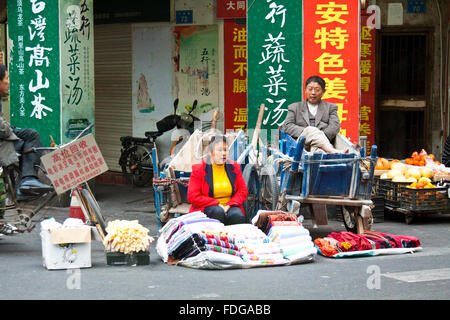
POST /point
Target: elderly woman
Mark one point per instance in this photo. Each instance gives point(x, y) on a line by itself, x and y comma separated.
point(314, 119)
point(217, 187)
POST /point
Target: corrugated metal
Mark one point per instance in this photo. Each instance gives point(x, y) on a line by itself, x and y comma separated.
point(113, 89)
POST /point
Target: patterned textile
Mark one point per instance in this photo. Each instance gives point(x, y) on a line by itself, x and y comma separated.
point(222, 250)
point(192, 246)
point(221, 243)
point(369, 240)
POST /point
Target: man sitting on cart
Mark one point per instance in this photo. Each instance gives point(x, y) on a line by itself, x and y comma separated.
point(216, 186)
point(314, 119)
point(12, 140)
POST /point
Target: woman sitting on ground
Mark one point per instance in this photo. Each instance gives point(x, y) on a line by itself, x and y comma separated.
point(216, 186)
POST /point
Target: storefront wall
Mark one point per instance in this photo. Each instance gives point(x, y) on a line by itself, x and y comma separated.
point(120, 58)
point(431, 20)
point(113, 63)
point(142, 71)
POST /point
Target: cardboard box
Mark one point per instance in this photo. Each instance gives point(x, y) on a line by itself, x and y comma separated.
point(66, 248)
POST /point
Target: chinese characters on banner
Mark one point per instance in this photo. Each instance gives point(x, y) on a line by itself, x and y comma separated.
point(331, 34)
point(77, 62)
point(34, 58)
point(51, 65)
point(367, 108)
point(74, 164)
point(274, 61)
point(231, 9)
point(235, 77)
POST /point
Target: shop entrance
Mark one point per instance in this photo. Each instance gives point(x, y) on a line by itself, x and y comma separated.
point(402, 93)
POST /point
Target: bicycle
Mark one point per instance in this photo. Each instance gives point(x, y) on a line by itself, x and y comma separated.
point(18, 215)
point(136, 153)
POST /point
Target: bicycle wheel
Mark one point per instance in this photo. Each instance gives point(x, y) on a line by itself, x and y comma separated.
point(270, 189)
point(94, 210)
point(251, 204)
point(136, 162)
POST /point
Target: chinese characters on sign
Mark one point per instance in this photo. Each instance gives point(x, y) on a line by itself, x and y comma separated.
point(235, 57)
point(51, 64)
point(77, 87)
point(367, 80)
point(38, 58)
point(197, 73)
point(231, 9)
point(332, 36)
point(74, 164)
point(274, 63)
point(34, 57)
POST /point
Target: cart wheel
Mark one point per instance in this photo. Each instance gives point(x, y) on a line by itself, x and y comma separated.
point(350, 215)
point(251, 179)
point(409, 218)
point(270, 189)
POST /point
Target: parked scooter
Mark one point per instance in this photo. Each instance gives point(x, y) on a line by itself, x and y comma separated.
point(136, 153)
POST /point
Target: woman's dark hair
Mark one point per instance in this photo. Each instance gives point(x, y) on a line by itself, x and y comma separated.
point(316, 79)
point(215, 140)
point(2, 71)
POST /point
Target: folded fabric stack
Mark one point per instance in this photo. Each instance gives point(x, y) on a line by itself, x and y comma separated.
point(341, 242)
point(254, 245)
point(190, 235)
point(294, 240)
point(284, 229)
point(194, 240)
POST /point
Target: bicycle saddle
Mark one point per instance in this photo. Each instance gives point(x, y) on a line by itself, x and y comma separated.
point(153, 134)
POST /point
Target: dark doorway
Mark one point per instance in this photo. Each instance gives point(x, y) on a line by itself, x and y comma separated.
point(403, 70)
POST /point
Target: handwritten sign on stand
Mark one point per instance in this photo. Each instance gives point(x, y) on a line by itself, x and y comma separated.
point(74, 164)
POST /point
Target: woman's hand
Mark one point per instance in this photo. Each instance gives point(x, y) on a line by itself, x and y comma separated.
point(225, 208)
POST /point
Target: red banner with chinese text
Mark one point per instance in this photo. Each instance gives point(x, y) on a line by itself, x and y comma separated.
point(331, 42)
point(367, 69)
point(235, 75)
point(226, 9)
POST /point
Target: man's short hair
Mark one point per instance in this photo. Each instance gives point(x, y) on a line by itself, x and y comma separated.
point(316, 79)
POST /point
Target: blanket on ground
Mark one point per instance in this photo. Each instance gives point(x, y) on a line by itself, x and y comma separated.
point(337, 243)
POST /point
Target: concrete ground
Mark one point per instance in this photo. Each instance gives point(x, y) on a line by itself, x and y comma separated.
point(424, 275)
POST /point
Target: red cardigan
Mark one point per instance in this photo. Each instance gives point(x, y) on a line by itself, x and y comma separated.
point(201, 188)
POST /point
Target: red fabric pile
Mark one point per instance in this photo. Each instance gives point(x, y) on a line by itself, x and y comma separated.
point(337, 242)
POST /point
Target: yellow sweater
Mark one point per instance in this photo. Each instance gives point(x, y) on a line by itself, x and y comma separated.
point(222, 185)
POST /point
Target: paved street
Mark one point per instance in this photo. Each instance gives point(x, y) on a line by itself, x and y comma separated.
point(422, 275)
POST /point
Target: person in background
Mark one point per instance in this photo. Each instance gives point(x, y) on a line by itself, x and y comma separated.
point(217, 187)
point(12, 140)
point(314, 119)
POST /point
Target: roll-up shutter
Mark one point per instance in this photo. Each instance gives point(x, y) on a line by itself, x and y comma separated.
point(113, 87)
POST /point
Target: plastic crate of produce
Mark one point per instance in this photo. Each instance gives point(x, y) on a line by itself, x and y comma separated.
point(391, 191)
point(425, 200)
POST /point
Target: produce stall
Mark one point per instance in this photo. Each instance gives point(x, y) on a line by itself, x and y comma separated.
point(415, 185)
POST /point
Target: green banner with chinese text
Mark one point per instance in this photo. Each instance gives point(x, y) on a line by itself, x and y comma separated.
point(51, 66)
point(33, 33)
point(275, 33)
